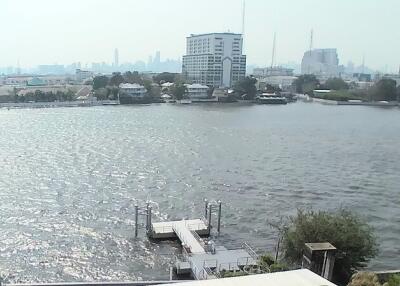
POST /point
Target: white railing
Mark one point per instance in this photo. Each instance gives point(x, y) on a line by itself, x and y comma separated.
point(197, 237)
point(244, 261)
point(163, 229)
point(211, 263)
point(250, 251)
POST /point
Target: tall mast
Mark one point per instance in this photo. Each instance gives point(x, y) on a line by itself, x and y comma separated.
point(311, 39)
point(273, 51)
point(243, 16)
point(243, 23)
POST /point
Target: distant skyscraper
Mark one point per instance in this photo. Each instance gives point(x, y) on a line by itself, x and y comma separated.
point(214, 59)
point(157, 58)
point(150, 63)
point(321, 62)
point(116, 58)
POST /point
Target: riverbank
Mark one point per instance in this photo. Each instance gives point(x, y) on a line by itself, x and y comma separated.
point(54, 104)
point(307, 98)
point(356, 102)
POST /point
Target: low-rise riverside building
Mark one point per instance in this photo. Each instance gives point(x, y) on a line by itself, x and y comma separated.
point(132, 93)
point(197, 91)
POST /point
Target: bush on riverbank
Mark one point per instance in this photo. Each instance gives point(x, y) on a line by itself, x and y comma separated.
point(341, 95)
point(353, 238)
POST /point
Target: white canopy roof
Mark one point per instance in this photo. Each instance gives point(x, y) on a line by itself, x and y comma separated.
point(302, 277)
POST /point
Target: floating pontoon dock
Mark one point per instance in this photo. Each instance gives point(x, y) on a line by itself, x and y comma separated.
point(201, 257)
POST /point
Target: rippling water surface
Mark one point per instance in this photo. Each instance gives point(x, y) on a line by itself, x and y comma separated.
point(69, 179)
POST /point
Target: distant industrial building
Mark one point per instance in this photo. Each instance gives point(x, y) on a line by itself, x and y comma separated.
point(82, 75)
point(277, 76)
point(285, 83)
point(323, 63)
point(214, 59)
point(272, 71)
point(51, 69)
point(35, 80)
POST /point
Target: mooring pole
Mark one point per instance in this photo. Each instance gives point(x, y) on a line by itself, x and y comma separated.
point(219, 216)
point(209, 217)
point(147, 215)
point(171, 273)
point(136, 219)
point(205, 208)
point(149, 219)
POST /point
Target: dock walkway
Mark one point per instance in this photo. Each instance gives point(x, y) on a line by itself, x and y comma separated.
point(165, 229)
point(187, 237)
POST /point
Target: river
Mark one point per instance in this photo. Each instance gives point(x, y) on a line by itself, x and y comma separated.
point(70, 177)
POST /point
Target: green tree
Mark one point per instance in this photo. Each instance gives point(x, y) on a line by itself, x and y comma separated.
point(336, 83)
point(306, 83)
point(164, 77)
point(178, 90)
point(100, 82)
point(352, 237)
point(272, 89)
point(385, 89)
point(116, 79)
point(111, 93)
point(133, 77)
point(246, 88)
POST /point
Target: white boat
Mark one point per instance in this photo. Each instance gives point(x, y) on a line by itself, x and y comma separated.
point(184, 101)
point(270, 98)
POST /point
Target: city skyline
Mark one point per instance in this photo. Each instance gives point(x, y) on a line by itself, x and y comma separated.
point(54, 38)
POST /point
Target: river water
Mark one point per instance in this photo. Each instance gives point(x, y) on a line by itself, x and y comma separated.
point(70, 177)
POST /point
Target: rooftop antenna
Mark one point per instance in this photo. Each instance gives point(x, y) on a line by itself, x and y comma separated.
point(273, 51)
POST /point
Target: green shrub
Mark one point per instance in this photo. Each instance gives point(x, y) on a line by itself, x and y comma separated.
point(278, 267)
point(353, 238)
point(266, 259)
point(227, 274)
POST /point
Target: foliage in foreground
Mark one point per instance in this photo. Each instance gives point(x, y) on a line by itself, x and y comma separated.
point(352, 237)
point(364, 279)
point(265, 264)
point(371, 279)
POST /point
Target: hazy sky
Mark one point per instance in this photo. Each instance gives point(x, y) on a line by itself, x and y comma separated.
point(64, 31)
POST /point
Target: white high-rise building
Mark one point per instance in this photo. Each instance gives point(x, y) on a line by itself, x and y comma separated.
point(321, 62)
point(214, 59)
